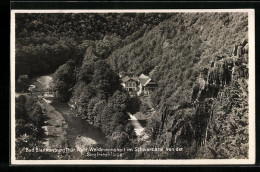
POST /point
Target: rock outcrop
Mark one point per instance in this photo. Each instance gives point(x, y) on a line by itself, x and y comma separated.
point(218, 111)
point(225, 73)
point(222, 71)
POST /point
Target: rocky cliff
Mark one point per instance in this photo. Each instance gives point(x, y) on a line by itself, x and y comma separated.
point(215, 123)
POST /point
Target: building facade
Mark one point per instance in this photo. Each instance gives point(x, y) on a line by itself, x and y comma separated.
point(140, 85)
point(130, 83)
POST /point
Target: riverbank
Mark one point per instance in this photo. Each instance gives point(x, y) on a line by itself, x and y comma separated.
point(55, 127)
point(64, 130)
point(80, 134)
point(63, 127)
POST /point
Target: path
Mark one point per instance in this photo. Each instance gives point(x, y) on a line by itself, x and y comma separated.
point(139, 130)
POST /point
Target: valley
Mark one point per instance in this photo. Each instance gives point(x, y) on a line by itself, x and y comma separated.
point(126, 80)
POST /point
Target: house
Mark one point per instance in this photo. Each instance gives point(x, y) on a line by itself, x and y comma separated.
point(130, 82)
point(140, 85)
point(146, 85)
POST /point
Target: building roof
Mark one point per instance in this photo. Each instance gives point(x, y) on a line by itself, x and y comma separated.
point(127, 78)
point(143, 76)
point(144, 79)
point(150, 82)
point(135, 78)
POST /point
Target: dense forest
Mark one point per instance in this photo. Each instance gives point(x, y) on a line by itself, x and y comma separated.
point(29, 120)
point(198, 60)
point(46, 41)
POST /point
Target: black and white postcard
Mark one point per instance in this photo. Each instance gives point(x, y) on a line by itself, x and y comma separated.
point(147, 87)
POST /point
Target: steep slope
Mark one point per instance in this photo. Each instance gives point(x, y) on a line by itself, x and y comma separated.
point(199, 57)
point(181, 47)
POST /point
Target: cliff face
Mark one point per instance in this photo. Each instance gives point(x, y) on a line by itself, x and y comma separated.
point(222, 71)
point(226, 132)
point(215, 123)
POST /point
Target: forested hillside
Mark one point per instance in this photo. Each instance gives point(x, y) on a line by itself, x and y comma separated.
point(198, 60)
point(183, 50)
point(46, 41)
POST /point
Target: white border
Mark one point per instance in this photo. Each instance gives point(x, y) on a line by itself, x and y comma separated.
point(251, 88)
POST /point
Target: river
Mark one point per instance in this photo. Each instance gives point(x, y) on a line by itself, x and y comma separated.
point(79, 132)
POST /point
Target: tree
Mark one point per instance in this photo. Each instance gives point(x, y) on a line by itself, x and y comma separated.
point(20, 112)
point(86, 72)
point(105, 79)
point(64, 79)
point(119, 139)
point(29, 131)
point(134, 104)
point(22, 83)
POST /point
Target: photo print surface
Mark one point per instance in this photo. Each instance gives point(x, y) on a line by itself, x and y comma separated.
point(132, 87)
